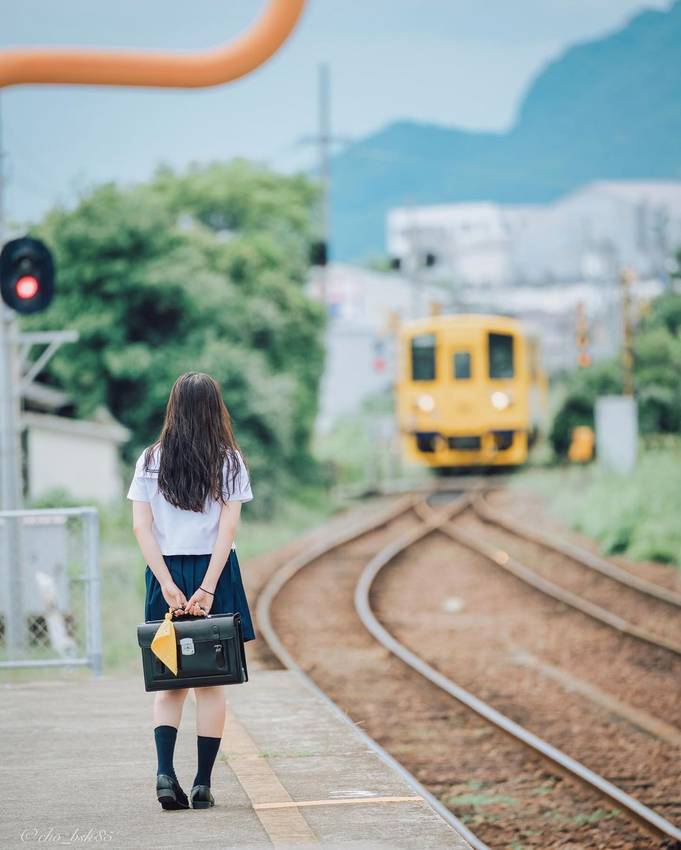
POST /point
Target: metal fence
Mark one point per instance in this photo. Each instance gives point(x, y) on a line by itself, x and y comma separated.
point(50, 611)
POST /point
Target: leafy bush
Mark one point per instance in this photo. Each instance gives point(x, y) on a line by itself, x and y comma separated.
point(636, 515)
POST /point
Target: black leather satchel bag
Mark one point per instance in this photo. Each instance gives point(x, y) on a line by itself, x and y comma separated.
point(210, 651)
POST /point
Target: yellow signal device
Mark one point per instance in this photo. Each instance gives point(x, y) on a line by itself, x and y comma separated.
point(582, 446)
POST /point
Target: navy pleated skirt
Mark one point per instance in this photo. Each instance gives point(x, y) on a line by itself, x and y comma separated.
point(187, 572)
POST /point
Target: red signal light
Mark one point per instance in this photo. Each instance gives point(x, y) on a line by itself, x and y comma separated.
point(26, 275)
point(27, 286)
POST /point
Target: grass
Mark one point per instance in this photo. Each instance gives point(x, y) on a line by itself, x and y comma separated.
point(480, 800)
point(635, 515)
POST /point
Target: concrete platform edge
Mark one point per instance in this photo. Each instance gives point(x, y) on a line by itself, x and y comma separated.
point(439, 808)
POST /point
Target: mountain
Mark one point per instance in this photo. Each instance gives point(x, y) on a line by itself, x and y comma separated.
point(606, 109)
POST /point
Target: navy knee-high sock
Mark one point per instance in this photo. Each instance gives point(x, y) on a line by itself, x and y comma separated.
point(207, 749)
point(165, 747)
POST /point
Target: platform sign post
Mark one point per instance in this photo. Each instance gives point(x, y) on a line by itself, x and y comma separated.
point(617, 433)
point(617, 416)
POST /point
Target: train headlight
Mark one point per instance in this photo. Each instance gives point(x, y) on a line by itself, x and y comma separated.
point(500, 400)
point(426, 403)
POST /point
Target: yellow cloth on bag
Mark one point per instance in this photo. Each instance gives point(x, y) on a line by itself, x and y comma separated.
point(164, 645)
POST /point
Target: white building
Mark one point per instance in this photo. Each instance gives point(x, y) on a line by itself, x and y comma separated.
point(81, 457)
point(586, 235)
point(464, 242)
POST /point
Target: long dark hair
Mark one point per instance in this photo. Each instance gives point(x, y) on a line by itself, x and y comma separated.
point(195, 441)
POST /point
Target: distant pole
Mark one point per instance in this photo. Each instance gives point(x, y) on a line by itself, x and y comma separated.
point(324, 147)
point(627, 277)
point(415, 264)
point(582, 335)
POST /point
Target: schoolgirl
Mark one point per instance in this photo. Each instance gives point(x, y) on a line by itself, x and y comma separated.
point(187, 492)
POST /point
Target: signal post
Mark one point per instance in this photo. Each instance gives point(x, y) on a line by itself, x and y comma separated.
point(9, 413)
point(10, 491)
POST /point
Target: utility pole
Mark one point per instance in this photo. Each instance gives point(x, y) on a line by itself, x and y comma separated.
point(627, 277)
point(582, 335)
point(10, 471)
point(323, 140)
point(10, 451)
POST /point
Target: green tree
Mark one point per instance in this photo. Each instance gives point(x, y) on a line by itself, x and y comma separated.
point(202, 270)
point(657, 361)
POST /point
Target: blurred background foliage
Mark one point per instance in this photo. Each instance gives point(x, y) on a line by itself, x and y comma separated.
point(635, 515)
point(657, 367)
point(202, 270)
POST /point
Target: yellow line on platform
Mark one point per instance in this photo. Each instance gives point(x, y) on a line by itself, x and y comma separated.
point(285, 825)
point(344, 801)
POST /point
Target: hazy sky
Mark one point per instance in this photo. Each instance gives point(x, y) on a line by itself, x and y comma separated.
point(457, 62)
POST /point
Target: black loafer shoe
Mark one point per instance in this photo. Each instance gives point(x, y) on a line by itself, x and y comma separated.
point(201, 797)
point(170, 794)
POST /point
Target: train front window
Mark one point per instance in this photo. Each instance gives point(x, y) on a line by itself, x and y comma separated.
point(500, 349)
point(423, 357)
point(462, 365)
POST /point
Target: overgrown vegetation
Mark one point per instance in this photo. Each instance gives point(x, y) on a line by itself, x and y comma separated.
point(657, 367)
point(635, 515)
point(202, 270)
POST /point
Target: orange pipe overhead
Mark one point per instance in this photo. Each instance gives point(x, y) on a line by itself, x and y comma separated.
point(69, 66)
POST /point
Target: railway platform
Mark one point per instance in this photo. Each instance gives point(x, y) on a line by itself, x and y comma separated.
point(77, 766)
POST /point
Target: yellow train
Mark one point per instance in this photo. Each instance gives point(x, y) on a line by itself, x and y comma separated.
point(470, 390)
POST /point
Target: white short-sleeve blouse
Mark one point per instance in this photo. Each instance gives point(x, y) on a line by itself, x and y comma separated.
point(181, 532)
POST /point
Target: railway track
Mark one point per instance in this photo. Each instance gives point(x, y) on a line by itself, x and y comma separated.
point(584, 571)
point(409, 521)
point(581, 556)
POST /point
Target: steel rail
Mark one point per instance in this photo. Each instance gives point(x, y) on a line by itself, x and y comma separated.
point(264, 620)
point(575, 553)
point(650, 820)
point(520, 570)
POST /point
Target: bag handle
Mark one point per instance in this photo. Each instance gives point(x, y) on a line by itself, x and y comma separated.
point(187, 616)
